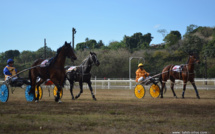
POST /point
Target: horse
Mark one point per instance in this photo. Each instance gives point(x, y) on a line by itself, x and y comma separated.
point(82, 74)
point(54, 71)
point(186, 74)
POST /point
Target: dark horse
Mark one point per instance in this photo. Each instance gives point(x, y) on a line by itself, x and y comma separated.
point(186, 74)
point(54, 71)
point(82, 74)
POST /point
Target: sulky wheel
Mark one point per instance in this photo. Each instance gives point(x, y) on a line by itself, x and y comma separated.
point(40, 90)
point(29, 97)
point(154, 91)
point(4, 93)
point(139, 91)
point(55, 92)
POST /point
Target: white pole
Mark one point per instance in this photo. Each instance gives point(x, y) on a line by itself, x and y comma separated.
point(108, 83)
point(130, 84)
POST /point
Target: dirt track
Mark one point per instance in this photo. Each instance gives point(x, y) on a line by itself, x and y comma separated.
point(116, 111)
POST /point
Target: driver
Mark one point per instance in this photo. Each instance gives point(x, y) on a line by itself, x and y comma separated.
point(10, 71)
point(142, 75)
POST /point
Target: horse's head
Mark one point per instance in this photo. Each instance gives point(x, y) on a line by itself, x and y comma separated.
point(94, 59)
point(69, 51)
point(194, 58)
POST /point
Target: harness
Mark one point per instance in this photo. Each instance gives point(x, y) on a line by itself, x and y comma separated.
point(180, 72)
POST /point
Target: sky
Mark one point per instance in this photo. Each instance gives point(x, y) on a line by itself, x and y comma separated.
point(24, 24)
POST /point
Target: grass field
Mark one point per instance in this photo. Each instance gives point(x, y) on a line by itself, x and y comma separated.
point(115, 111)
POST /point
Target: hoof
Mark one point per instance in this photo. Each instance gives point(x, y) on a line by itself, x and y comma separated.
point(198, 97)
point(59, 101)
point(73, 98)
point(56, 99)
point(176, 97)
point(76, 97)
point(94, 99)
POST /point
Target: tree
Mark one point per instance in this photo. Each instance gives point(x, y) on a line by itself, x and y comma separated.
point(190, 29)
point(89, 44)
point(100, 44)
point(137, 41)
point(162, 31)
point(209, 49)
point(40, 52)
point(27, 56)
point(116, 45)
point(172, 38)
point(11, 54)
point(192, 43)
point(81, 46)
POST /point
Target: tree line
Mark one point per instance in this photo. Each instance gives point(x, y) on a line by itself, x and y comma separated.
point(114, 57)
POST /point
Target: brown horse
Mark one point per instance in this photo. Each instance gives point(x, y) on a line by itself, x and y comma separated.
point(186, 74)
point(54, 71)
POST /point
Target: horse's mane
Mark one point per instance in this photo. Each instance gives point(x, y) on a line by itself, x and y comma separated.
point(55, 57)
point(84, 61)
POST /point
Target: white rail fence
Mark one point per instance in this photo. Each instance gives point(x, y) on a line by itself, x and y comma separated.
point(205, 84)
point(202, 84)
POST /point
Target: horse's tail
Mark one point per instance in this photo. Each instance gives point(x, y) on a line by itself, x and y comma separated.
point(161, 80)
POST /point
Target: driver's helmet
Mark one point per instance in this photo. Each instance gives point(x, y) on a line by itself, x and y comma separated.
point(9, 61)
point(140, 65)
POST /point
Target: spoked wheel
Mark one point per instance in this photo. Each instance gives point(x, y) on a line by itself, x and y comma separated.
point(29, 96)
point(55, 92)
point(154, 91)
point(4, 93)
point(40, 90)
point(139, 91)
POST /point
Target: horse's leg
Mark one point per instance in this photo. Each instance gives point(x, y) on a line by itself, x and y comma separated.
point(184, 88)
point(71, 89)
point(194, 86)
point(81, 89)
point(71, 83)
point(37, 85)
point(32, 90)
point(59, 88)
point(33, 83)
point(172, 86)
point(163, 85)
point(91, 89)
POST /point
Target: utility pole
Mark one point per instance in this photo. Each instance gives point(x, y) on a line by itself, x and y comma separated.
point(45, 48)
point(73, 38)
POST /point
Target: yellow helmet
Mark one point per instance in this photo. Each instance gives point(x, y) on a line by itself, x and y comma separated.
point(140, 65)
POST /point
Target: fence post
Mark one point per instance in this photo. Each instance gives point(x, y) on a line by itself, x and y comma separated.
point(130, 84)
point(108, 83)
